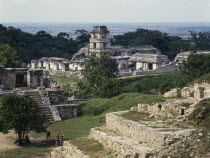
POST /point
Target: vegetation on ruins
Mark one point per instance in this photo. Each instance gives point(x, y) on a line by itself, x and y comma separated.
point(197, 65)
point(42, 44)
point(122, 102)
point(21, 114)
point(8, 56)
point(154, 84)
point(201, 115)
point(169, 45)
point(99, 77)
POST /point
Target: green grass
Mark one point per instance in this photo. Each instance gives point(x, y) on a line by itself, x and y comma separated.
point(122, 102)
point(72, 128)
point(205, 77)
point(91, 147)
point(64, 80)
point(154, 83)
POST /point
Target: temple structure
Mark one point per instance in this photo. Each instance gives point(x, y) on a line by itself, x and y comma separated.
point(131, 60)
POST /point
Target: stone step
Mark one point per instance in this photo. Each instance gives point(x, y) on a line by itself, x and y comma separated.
point(120, 144)
point(59, 152)
point(87, 148)
point(154, 137)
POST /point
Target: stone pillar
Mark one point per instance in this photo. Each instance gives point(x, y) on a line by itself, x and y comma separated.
point(199, 93)
point(35, 78)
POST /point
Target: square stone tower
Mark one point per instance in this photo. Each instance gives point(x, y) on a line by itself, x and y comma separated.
point(99, 41)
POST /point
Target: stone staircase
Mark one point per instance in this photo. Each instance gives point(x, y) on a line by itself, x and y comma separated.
point(44, 109)
point(127, 138)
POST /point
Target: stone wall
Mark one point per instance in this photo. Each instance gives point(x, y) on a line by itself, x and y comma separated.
point(125, 147)
point(197, 91)
point(168, 108)
point(136, 131)
point(57, 97)
point(35, 78)
point(70, 73)
point(67, 111)
point(169, 68)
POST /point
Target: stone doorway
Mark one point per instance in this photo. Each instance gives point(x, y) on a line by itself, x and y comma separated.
point(21, 80)
point(182, 111)
point(150, 66)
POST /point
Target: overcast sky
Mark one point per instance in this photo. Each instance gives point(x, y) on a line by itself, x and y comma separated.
point(104, 11)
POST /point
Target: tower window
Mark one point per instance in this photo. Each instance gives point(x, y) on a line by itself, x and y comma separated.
point(103, 35)
point(105, 45)
point(94, 45)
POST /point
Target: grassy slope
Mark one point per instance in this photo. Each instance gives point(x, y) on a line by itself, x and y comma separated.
point(156, 83)
point(205, 77)
point(122, 102)
point(72, 128)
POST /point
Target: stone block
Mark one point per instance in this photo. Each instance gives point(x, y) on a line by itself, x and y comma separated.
point(124, 146)
point(199, 93)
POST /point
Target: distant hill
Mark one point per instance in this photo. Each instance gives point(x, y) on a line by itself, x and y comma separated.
point(174, 29)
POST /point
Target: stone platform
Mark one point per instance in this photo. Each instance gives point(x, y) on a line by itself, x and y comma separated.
point(131, 135)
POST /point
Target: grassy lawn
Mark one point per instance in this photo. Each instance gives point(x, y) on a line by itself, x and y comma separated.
point(72, 128)
point(63, 80)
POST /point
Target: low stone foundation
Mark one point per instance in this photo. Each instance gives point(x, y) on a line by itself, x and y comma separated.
point(67, 111)
point(197, 91)
point(142, 133)
point(125, 146)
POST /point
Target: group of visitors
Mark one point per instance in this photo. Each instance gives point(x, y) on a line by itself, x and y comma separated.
point(58, 138)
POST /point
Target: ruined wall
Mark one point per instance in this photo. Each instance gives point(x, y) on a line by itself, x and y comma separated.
point(126, 147)
point(197, 91)
point(8, 78)
point(136, 131)
point(67, 111)
point(71, 74)
point(57, 97)
point(35, 78)
point(170, 68)
point(168, 108)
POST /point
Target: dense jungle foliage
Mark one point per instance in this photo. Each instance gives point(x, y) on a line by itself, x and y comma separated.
point(168, 45)
point(42, 44)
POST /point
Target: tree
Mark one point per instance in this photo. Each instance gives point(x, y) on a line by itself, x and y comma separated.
point(21, 114)
point(82, 38)
point(197, 65)
point(8, 55)
point(201, 40)
point(168, 45)
point(99, 74)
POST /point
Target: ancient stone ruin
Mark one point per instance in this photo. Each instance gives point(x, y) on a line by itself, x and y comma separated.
point(44, 91)
point(131, 60)
point(145, 131)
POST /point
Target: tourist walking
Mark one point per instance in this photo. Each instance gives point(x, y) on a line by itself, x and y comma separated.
point(48, 134)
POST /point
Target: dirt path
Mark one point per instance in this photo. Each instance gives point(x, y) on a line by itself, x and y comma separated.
point(7, 142)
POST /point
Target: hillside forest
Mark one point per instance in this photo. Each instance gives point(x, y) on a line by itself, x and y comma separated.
point(42, 44)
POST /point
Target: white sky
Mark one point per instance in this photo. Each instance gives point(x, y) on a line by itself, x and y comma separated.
point(104, 11)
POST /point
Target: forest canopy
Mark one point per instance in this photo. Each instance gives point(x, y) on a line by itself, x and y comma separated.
point(42, 44)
